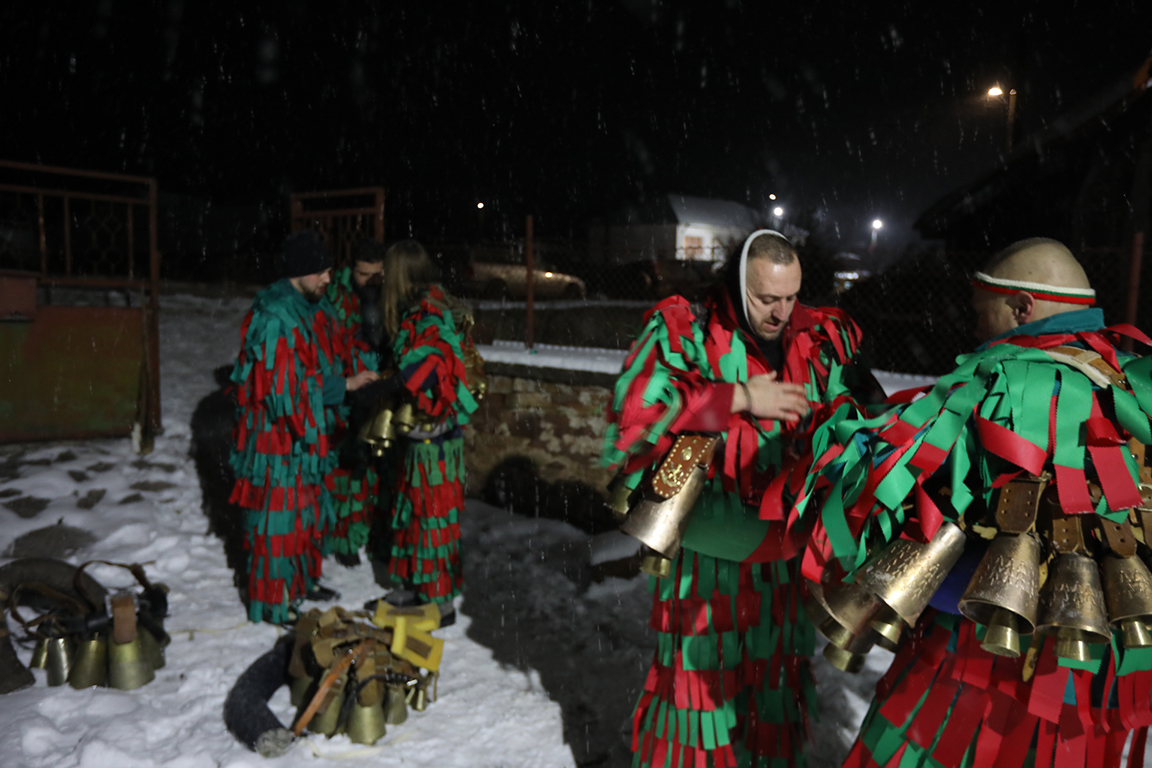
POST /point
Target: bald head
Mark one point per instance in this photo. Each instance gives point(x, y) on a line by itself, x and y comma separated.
point(1037, 260)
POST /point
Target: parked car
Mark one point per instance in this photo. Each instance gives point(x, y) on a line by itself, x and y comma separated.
point(496, 276)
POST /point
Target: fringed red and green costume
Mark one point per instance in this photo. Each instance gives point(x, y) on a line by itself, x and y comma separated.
point(730, 683)
point(1007, 410)
point(283, 445)
point(430, 487)
point(354, 485)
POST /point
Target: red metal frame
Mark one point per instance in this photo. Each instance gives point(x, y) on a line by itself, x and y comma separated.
point(337, 218)
point(135, 192)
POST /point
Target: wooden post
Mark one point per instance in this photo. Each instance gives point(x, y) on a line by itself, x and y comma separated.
point(153, 316)
point(529, 332)
point(1135, 264)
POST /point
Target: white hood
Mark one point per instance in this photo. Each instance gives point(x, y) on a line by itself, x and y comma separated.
point(744, 268)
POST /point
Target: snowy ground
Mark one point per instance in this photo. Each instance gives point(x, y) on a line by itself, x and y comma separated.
point(541, 669)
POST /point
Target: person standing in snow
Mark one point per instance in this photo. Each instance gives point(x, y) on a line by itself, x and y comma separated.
point(731, 673)
point(428, 351)
point(290, 386)
point(354, 483)
point(1036, 447)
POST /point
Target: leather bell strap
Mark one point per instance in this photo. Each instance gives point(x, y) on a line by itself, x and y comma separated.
point(1085, 296)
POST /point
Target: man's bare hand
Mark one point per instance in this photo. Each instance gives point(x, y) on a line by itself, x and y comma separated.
point(353, 383)
point(767, 398)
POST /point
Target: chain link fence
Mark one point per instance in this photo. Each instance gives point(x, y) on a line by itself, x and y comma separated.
point(916, 314)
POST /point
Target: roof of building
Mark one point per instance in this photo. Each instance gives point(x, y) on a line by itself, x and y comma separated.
point(713, 213)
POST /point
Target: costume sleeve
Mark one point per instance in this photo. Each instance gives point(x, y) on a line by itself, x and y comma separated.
point(431, 362)
point(662, 390)
point(1003, 412)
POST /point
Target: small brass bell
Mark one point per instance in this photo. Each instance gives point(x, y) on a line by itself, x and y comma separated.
point(58, 660)
point(380, 432)
point(1073, 606)
point(845, 651)
point(906, 574)
point(1128, 589)
point(299, 688)
point(365, 723)
point(656, 565)
point(404, 419)
point(91, 665)
point(618, 495)
point(418, 696)
point(852, 607)
point(1006, 580)
point(395, 708)
point(327, 720)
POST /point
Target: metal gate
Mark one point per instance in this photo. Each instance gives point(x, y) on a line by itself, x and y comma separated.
point(342, 217)
point(79, 314)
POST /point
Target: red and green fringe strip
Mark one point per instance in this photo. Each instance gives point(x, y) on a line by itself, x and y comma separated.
point(947, 703)
point(425, 518)
point(354, 500)
point(283, 452)
point(731, 673)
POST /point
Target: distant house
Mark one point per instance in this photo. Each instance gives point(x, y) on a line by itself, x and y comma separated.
point(676, 228)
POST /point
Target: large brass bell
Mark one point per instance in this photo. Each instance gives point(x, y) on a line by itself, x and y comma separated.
point(91, 665)
point(128, 664)
point(395, 708)
point(298, 688)
point(660, 524)
point(39, 654)
point(1003, 593)
point(58, 659)
point(1072, 606)
point(905, 575)
point(1128, 589)
point(365, 723)
point(327, 720)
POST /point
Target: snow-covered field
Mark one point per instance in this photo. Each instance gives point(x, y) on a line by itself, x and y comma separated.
point(541, 668)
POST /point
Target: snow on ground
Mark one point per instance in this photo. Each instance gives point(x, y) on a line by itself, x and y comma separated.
point(541, 669)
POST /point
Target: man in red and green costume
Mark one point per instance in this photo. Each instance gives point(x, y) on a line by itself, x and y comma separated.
point(1046, 405)
point(430, 486)
point(354, 483)
point(290, 387)
point(730, 683)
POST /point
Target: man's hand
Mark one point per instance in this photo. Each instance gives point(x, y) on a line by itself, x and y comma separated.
point(766, 398)
point(353, 383)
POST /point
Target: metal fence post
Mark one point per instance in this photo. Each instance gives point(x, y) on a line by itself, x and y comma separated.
point(1134, 267)
point(529, 331)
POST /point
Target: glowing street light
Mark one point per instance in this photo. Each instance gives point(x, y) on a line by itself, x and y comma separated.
point(877, 224)
point(876, 227)
point(772, 196)
point(777, 211)
point(479, 205)
point(995, 91)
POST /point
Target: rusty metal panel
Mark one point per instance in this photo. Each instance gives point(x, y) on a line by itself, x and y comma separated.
point(341, 217)
point(73, 372)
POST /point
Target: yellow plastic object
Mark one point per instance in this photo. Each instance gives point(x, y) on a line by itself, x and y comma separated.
point(410, 633)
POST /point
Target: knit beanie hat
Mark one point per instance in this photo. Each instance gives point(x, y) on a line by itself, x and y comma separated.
point(305, 254)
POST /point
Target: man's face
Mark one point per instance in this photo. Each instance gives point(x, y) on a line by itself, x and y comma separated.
point(771, 292)
point(994, 314)
point(313, 286)
point(367, 272)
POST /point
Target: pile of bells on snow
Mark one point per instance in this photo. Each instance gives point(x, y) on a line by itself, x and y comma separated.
point(356, 677)
point(83, 635)
point(1076, 579)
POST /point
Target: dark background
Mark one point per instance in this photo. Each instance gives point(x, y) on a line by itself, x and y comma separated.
point(569, 110)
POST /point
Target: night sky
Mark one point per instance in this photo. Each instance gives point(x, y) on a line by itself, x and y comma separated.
point(569, 111)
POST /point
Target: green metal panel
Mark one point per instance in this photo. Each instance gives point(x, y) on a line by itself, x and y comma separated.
point(73, 372)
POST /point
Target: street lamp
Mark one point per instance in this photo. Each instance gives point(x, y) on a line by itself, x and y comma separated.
point(777, 211)
point(995, 92)
point(877, 225)
point(479, 205)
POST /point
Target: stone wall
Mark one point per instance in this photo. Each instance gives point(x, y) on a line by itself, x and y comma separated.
point(554, 417)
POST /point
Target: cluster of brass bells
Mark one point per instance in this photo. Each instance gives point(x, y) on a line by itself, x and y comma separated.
point(125, 658)
point(1080, 604)
point(365, 719)
point(888, 594)
point(390, 422)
